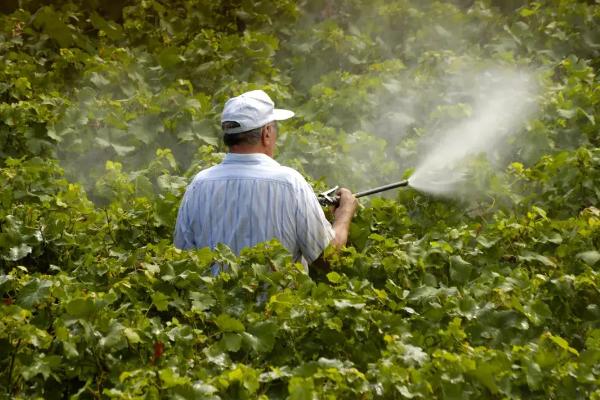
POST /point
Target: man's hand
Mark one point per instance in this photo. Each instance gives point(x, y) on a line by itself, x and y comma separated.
point(347, 204)
point(343, 216)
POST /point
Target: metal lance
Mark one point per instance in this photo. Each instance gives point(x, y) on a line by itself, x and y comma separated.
point(381, 188)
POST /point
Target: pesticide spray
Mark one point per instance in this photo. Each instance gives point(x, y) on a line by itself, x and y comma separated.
point(502, 105)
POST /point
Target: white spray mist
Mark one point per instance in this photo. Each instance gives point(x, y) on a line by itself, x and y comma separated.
point(503, 102)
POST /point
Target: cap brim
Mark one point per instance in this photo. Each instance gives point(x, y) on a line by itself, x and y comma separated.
point(280, 114)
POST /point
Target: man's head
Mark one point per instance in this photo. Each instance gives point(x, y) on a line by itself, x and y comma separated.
point(249, 123)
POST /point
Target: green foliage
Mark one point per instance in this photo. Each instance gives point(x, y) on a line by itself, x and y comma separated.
point(107, 111)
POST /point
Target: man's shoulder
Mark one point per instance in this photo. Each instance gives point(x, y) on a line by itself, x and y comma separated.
point(289, 173)
point(292, 177)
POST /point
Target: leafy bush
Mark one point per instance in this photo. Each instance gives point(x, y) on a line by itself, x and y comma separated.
point(107, 111)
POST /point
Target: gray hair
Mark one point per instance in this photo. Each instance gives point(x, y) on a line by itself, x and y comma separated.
point(249, 137)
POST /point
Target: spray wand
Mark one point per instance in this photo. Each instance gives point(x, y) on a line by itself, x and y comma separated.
point(329, 198)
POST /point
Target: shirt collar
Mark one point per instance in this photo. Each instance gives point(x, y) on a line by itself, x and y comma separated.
point(249, 159)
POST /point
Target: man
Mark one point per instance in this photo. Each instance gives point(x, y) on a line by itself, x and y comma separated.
point(250, 198)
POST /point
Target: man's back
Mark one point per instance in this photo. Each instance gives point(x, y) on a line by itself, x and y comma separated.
point(248, 199)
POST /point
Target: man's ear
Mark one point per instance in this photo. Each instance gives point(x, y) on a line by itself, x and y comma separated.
point(266, 135)
point(263, 136)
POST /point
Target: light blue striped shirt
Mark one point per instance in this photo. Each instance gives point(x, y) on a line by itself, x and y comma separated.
point(248, 199)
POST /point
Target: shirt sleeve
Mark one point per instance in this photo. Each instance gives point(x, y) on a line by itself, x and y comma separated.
point(183, 237)
point(313, 231)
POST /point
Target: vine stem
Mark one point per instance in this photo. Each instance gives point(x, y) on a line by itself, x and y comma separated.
point(12, 365)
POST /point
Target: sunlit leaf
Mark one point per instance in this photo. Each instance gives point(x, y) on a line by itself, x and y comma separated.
point(226, 323)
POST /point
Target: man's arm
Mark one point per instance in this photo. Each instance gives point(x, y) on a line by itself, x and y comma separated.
point(342, 217)
point(312, 230)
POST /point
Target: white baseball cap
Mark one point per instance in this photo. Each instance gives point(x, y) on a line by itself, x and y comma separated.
point(252, 110)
